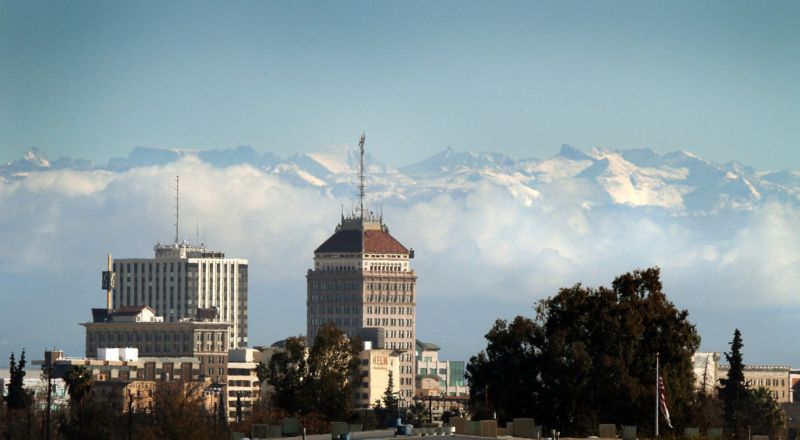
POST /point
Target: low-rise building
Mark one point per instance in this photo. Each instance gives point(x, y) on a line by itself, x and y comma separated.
point(243, 385)
point(37, 383)
point(774, 378)
point(372, 376)
point(139, 327)
point(126, 381)
point(439, 383)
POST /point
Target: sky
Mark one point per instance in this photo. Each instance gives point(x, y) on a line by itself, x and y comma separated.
point(94, 79)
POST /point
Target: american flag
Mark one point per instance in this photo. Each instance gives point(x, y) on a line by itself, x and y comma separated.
point(662, 401)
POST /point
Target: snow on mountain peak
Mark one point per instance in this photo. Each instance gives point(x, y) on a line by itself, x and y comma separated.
point(37, 158)
point(339, 159)
point(678, 181)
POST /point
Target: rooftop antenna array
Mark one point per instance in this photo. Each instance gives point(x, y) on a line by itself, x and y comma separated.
point(361, 187)
point(177, 206)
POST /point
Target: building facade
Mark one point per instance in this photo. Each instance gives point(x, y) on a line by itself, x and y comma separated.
point(362, 279)
point(184, 281)
point(373, 376)
point(705, 366)
point(138, 327)
point(243, 385)
point(775, 378)
point(448, 374)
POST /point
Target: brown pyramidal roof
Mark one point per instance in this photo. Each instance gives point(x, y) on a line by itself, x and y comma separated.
point(376, 241)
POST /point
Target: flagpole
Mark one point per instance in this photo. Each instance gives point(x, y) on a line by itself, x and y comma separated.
point(657, 395)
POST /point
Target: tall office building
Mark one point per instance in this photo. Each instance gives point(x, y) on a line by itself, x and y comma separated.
point(361, 280)
point(186, 281)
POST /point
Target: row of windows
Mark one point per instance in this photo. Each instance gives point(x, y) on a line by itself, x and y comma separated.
point(337, 321)
point(389, 298)
point(336, 298)
point(386, 267)
point(335, 310)
point(390, 322)
point(442, 371)
point(389, 310)
point(769, 382)
point(350, 286)
point(401, 287)
point(335, 286)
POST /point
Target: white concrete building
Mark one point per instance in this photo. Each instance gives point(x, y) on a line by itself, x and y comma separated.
point(242, 381)
point(183, 281)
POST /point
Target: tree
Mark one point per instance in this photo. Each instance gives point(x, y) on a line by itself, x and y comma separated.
point(763, 414)
point(18, 398)
point(743, 406)
point(179, 411)
point(418, 412)
point(390, 399)
point(286, 373)
point(262, 373)
point(318, 380)
point(332, 363)
point(510, 350)
point(733, 389)
point(79, 386)
point(588, 358)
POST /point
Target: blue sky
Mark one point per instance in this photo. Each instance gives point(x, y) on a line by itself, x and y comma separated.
point(95, 79)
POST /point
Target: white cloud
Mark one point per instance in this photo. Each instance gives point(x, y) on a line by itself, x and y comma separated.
point(57, 226)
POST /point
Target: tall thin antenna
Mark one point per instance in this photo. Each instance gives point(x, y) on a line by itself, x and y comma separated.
point(177, 206)
point(361, 187)
point(196, 231)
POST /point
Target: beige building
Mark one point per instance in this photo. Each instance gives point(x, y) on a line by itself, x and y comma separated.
point(705, 366)
point(139, 327)
point(243, 382)
point(774, 378)
point(361, 279)
point(182, 281)
point(373, 376)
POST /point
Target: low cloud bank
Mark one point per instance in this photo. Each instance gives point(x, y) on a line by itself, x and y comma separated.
point(476, 248)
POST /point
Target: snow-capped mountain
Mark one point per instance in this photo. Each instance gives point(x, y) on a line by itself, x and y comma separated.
point(678, 182)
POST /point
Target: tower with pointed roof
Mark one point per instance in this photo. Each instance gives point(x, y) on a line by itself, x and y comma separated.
point(362, 282)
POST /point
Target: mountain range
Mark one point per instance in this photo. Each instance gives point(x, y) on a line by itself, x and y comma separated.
point(679, 182)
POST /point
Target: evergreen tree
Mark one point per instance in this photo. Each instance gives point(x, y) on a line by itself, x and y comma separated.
point(390, 399)
point(733, 389)
point(17, 397)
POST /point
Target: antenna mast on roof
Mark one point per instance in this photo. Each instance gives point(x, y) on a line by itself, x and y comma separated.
point(361, 187)
point(177, 206)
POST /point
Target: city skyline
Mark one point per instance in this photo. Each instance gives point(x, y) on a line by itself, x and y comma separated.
point(713, 81)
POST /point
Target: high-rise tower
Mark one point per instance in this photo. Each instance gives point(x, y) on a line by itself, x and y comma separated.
point(184, 282)
point(362, 279)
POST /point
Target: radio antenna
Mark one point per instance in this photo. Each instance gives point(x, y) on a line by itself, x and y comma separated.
point(177, 207)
